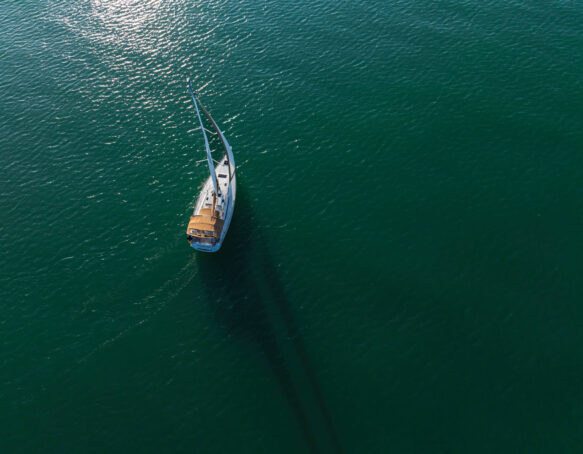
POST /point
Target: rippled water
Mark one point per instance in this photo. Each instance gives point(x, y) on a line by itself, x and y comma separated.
point(403, 270)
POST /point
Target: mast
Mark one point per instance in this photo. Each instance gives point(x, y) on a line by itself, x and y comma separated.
point(206, 141)
point(228, 148)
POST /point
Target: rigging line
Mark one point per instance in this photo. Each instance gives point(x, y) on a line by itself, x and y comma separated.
point(209, 132)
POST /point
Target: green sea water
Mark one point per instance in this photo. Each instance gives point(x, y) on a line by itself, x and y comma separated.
point(403, 273)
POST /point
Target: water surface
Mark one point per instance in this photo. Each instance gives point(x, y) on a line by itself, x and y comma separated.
point(402, 273)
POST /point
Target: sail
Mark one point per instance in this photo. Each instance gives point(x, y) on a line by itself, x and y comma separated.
point(228, 148)
point(206, 141)
point(225, 143)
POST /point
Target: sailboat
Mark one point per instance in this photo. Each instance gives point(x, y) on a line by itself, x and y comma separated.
point(215, 204)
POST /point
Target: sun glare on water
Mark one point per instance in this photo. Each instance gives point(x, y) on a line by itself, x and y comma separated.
point(129, 23)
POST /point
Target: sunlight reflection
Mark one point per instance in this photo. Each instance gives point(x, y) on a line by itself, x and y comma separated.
point(131, 23)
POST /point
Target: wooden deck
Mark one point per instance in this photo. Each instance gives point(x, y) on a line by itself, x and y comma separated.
point(205, 224)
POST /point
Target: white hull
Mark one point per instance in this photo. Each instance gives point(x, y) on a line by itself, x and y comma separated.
point(225, 204)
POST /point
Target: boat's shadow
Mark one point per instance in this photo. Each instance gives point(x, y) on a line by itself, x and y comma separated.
point(250, 302)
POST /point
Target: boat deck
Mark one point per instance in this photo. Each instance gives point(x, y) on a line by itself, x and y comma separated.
point(206, 226)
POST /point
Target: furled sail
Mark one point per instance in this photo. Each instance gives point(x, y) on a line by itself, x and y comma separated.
point(228, 148)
